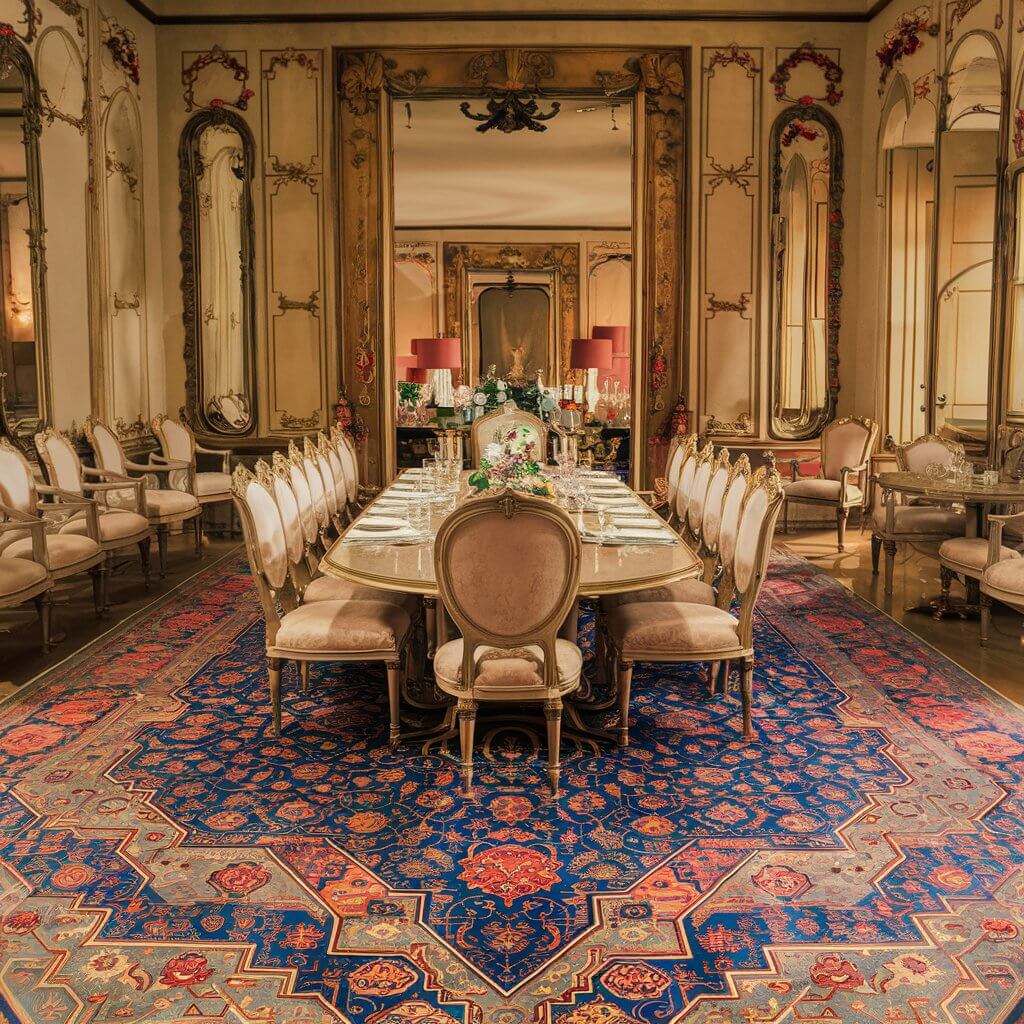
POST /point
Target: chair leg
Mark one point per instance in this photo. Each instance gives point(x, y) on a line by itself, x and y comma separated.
point(430, 615)
point(304, 675)
point(623, 682)
point(394, 702)
point(274, 665)
point(553, 715)
point(161, 547)
point(876, 550)
point(44, 607)
point(105, 584)
point(747, 697)
point(467, 727)
point(841, 514)
point(197, 525)
point(890, 563)
point(986, 618)
point(946, 583)
point(714, 668)
point(145, 547)
point(97, 590)
point(785, 517)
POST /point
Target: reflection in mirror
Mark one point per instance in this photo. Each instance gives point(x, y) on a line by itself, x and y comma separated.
point(807, 228)
point(22, 323)
point(217, 255)
point(1015, 307)
point(514, 243)
point(968, 157)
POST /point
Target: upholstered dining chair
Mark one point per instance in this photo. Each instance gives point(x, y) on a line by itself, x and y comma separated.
point(693, 489)
point(335, 471)
point(178, 444)
point(67, 555)
point(164, 507)
point(119, 528)
point(1003, 578)
point(894, 523)
point(509, 612)
point(358, 493)
point(316, 463)
point(681, 450)
point(320, 631)
point(317, 491)
point(291, 469)
point(841, 481)
point(509, 416)
point(676, 631)
point(27, 579)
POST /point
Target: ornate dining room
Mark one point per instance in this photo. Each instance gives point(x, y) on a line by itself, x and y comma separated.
point(547, 479)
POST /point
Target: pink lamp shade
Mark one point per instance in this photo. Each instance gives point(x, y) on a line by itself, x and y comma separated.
point(404, 364)
point(591, 354)
point(438, 353)
point(417, 375)
point(619, 336)
point(620, 369)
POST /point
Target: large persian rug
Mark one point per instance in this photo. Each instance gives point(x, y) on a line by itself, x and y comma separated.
point(164, 859)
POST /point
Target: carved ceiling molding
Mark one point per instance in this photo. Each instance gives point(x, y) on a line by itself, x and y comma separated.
point(233, 61)
point(808, 54)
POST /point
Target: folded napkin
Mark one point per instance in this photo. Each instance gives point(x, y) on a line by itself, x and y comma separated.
point(632, 523)
point(375, 520)
point(611, 499)
point(641, 537)
point(405, 534)
point(401, 485)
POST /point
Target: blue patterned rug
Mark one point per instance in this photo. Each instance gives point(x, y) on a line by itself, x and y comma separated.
point(163, 858)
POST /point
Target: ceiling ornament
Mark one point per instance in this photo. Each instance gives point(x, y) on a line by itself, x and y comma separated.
point(512, 78)
point(807, 54)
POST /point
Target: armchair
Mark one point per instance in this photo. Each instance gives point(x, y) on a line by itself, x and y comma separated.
point(1003, 578)
point(27, 579)
point(840, 484)
point(178, 444)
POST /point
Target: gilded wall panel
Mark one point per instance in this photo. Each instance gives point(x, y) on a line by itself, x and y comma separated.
point(292, 132)
point(730, 237)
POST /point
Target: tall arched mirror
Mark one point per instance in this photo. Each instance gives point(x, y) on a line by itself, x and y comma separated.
point(216, 165)
point(22, 264)
point(969, 156)
point(1014, 387)
point(807, 223)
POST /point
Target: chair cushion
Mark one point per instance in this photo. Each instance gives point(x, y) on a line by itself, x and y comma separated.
point(213, 483)
point(672, 627)
point(8, 537)
point(823, 490)
point(969, 554)
point(113, 526)
point(1005, 578)
point(17, 574)
point(344, 626)
point(327, 588)
point(687, 591)
point(929, 520)
point(502, 673)
point(170, 503)
point(61, 549)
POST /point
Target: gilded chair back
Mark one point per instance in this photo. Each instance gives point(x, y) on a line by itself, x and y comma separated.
point(293, 472)
point(17, 483)
point(349, 464)
point(681, 449)
point(699, 492)
point(176, 439)
point(106, 446)
point(314, 481)
point(688, 483)
point(524, 592)
point(337, 472)
point(288, 509)
point(312, 454)
point(709, 527)
point(846, 442)
point(917, 455)
point(60, 460)
point(495, 424)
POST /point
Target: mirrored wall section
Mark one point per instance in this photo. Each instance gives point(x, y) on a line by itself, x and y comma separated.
point(23, 319)
point(514, 242)
point(806, 257)
point(217, 257)
point(968, 161)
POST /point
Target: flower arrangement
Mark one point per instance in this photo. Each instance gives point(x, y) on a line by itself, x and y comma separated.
point(511, 461)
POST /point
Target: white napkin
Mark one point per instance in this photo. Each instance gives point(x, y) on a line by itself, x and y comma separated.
point(373, 519)
point(402, 486)
point(628, 523)
point(405, 533)
point(611, 499)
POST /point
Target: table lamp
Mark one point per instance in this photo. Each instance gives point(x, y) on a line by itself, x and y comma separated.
point(409, 369)
point(442, 355)
point(618, 335)
point(591, 354)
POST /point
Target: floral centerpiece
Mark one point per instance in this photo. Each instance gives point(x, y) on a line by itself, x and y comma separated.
point(511, 461)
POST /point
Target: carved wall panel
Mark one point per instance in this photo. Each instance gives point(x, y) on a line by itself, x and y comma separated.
point(294, 215)
point(125, 360)
point(63, 85)
point(730, 237)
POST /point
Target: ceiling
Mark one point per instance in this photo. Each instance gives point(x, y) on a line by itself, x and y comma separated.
point(576, 174)
point(171, 11)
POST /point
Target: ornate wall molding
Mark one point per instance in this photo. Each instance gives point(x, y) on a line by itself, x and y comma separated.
point(233, 61)
point(904, 40)
point(808, 54)
point(123, 49)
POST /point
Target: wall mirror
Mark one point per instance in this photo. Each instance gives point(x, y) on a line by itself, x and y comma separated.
point(216, 166)
point(494, 231)
point(1014, 387)
point(807, 221)
point(22, 265)
point(968, 161)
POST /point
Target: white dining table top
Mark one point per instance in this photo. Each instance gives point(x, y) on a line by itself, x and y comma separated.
point(406, 563)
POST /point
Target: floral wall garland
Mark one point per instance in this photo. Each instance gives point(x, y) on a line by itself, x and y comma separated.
point(904, 40)
point(121, 44)
point(807, 54)
point(216, 55)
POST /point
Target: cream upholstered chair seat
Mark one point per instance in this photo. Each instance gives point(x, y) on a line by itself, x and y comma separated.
point(970, 555)
point(913, 520)
point(501, 672)
point(63, 551)
point(670, 628)
point(118, 526)
point(682, 591)
point(327, 588)
point(355, 627)
point(209, 483)
point(18, 575)
point(1005, 581)
point(826, 490)
point(169, 502)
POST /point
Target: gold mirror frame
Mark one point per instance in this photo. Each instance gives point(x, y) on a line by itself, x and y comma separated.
point(369, 82)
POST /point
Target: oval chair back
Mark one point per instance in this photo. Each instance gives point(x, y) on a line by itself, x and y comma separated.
point(679, 450)
point(699, 493)
point(294, 473)
point(917, 455)
point(60, 460)
point(687, 484)
point(711, 521)
point(496, 424)
point(106, 447)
